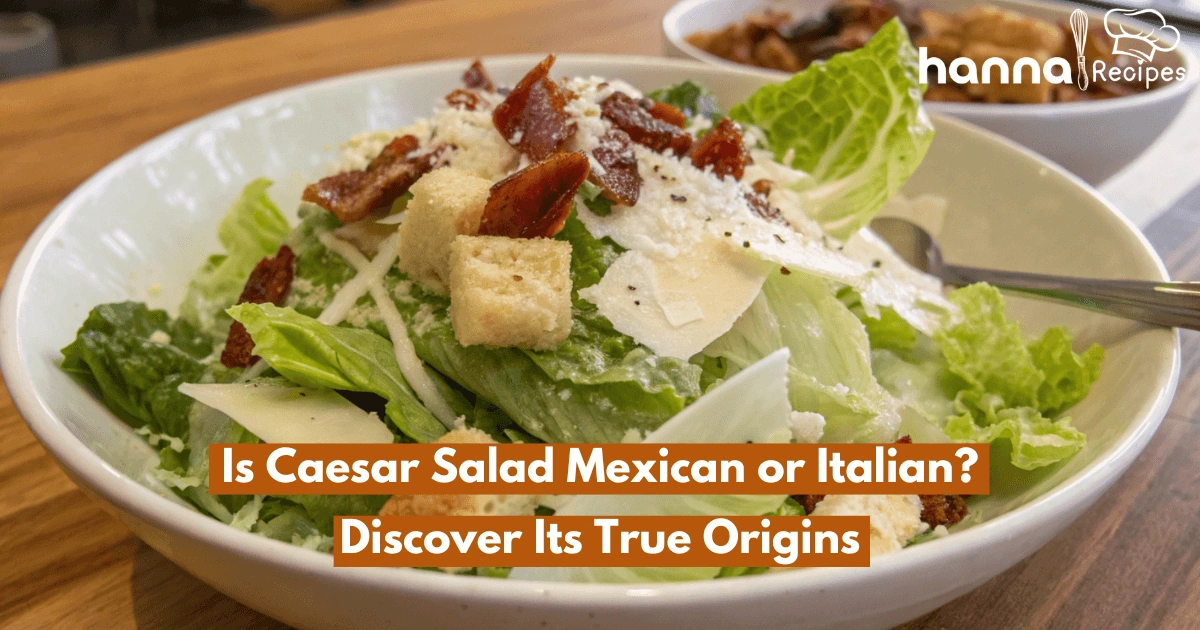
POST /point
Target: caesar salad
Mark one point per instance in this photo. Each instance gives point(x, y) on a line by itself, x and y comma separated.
point(575, 260)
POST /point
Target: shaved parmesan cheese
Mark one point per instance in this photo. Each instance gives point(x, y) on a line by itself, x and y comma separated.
point(677, 306)
point(371, 274)
point(681, 208)
point(296, 415)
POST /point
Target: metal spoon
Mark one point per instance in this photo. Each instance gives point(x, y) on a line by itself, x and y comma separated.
point(1163, 303)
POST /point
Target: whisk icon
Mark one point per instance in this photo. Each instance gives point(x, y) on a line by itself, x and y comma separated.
point(1079, 28)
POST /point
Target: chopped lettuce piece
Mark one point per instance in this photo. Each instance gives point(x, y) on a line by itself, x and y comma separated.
point(888, 330)
point(1036, 440)
point(550, 409)
point(137, 358)
point(1001, 387)
point(830, 371)
point(751, 406)
point(313, 354)
point(1068, 376)
point(854, 123)
point(691, 98)
point(252, 229)
point(990, 355)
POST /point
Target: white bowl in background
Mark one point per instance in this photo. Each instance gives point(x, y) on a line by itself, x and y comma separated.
point(1093, 139)
point(151, 217)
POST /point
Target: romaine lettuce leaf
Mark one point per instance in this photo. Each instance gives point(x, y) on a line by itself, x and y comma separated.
point(1068, 376)
point(691, 98)
point(252, 229)
point(313, 354)
point(984, 383)
point(854, 123)
point(830, 370)
point(1036, 440)
point(549, 409)
point(137, 357)
point(990, 355)
point(750, 407)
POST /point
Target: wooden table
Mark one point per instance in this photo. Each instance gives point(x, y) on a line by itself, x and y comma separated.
point(1130, 561)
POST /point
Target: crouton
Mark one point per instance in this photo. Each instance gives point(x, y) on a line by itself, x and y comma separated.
point(1012, 30)
point(446, 202)
point(996, 92)
point(460, 504)
point(510, 292)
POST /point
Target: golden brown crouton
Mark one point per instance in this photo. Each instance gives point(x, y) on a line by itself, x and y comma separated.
point(986, 24)
point(510, 292)
point(446, 202)
point(1025, 91)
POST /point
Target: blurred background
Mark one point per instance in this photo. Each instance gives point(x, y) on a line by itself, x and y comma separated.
point(42, 35)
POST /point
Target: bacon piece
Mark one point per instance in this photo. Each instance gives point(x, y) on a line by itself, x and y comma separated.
point(534, 202)
point(620, 182)
point(664, 112)
point(463, 99)
point(268, 283)
point(627, 115)
point(533, 117)
point(760, 204)
point(722, 149)
point(476, 78)
point(353, 195)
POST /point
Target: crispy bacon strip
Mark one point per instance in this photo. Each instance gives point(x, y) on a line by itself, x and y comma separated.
point(664, 112)
point(353, 195)
point(722, 149)
point(534, 202)
point(620, 181)
point(760, 204)
point(463, 99)
point(936, 509)
point(629, 116)
point(533, 117)
point(476, 78)
point(268, 283)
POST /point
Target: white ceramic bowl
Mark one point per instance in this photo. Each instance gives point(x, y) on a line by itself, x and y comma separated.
point(151, 216)
point(1093, 139)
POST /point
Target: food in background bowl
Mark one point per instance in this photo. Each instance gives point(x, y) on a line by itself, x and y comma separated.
point(780, 41)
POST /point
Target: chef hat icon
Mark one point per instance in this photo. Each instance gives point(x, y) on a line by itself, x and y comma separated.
point(1138, 39)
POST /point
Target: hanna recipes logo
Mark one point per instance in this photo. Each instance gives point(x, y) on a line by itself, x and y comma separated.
point(1133, 35)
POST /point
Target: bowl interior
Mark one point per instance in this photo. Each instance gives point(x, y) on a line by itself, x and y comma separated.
point(138, 229)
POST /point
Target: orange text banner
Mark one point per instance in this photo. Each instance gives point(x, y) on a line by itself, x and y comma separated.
point(594, 541)
point(599, 469)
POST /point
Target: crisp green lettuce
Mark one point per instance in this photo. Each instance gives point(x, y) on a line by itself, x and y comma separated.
point(1036, 440)
point(595, 387)
point(313, 354)
point(854, 123)
point(978, 380)
point(252, 229)
point(830, 369)
point(691, 98)
point(990, 355)
point(888, 331)
point(1067, 376)
point(121, 351)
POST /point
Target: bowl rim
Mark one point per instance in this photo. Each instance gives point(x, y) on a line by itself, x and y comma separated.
point(99, 478)
point(1175, 89)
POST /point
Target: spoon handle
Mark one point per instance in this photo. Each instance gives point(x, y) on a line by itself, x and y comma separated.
point(1163, 303)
